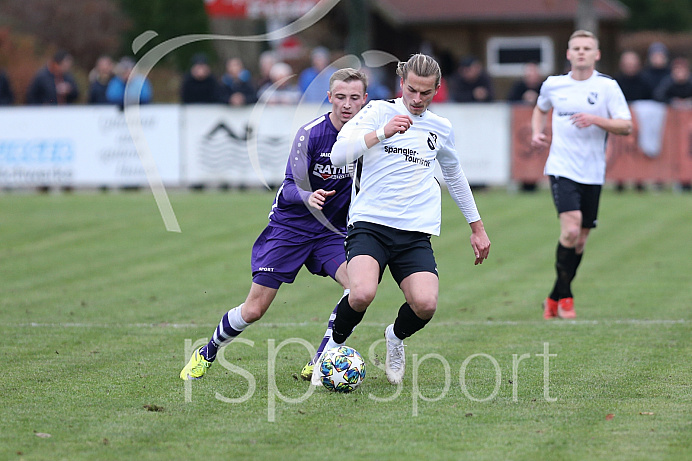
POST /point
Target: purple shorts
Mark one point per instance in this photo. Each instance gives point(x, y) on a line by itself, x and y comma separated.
point(278, 254)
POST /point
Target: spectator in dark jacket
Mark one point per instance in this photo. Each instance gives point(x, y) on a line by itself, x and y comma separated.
point(99, 79)
point(656, 66)
point(676, 89)
point(6, 94)
point(236, 84)
point(54, 84)
point(630, 78)
point(527, 88)
point(199, 84)
point(471, 83)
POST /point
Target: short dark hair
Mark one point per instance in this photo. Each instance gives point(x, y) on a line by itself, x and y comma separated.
point(60, 56)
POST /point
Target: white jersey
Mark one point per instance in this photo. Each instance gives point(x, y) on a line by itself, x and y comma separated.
point(394, 183)
point(579, 153)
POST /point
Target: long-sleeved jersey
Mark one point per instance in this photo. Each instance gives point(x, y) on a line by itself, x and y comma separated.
point(309, 168)
point(394, 183)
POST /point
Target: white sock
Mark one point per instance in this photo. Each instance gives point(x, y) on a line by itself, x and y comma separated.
point(389, 334)
point(235, 319)
point(332, 344)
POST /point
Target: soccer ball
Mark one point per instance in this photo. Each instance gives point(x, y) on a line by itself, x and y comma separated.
point(342, 369)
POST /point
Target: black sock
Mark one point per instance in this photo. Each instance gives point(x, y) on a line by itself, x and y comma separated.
point(345, 321)
point(566, 262)
point(407, 322)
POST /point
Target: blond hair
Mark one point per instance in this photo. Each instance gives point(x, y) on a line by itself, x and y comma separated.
point(422, 65)
point(582, 34)
point(348, 74)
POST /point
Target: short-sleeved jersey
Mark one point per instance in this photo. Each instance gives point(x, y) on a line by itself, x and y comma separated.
point(394, 183)
point(309, 168)
point(579, 153)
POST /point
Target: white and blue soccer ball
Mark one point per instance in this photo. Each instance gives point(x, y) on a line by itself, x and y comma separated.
point(342, 369)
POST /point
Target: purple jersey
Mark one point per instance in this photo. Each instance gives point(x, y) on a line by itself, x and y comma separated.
point(309, 168)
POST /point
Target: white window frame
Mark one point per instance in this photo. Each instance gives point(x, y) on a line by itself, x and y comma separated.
point(495, 44)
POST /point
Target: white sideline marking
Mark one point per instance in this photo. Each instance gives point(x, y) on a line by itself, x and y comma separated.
point(369, 324)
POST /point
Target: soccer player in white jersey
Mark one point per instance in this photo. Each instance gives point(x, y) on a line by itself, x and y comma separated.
point(296, 235)
point(395, 206)
point(587, 106)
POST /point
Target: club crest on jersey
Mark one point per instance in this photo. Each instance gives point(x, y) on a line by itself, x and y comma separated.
point(432, 140)
point(593, 96)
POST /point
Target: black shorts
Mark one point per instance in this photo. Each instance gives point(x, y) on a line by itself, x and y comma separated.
point(570, 195)
point(405, 252)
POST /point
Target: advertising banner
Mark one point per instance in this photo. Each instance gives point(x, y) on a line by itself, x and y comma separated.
point(85, 146)
point(483, 140)
point(240, 146)
point(660, 155)
point(255, 9)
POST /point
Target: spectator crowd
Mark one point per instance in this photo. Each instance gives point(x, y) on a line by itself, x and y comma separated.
point(660, 78)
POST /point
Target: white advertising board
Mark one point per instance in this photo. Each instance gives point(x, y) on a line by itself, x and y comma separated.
point(91, 146)
point(85, 146)
point(217, 145)
point(240, 146)
point(483, 139)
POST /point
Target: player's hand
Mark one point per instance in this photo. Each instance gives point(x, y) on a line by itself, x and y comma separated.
point(317, 198)
point(398, 124)
point(481, 245)
point(539, 140)
point(582, 120)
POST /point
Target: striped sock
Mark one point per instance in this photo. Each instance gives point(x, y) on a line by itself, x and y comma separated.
point(230, 326)
point(328, 333)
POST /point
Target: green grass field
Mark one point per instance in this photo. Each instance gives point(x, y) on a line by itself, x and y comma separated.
point(99, 305)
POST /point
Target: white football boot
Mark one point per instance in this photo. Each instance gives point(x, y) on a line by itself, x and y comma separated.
point(395, 363)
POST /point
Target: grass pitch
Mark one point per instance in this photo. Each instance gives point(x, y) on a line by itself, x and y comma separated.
point(100, 305)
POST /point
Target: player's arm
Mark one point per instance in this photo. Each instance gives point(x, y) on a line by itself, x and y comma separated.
point(292, 193)
point(611, 125)
point(353, 143)
point(459, 189)
point(297, 187)
point(619, 120)
point(479, 242)
point(539, 121)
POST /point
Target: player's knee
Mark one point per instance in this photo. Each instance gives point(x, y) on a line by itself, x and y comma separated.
point(252, 313)
point(570, 236)
point(360, 299)
point(425, 306)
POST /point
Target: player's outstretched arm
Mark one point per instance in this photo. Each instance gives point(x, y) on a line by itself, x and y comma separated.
point(479, 242)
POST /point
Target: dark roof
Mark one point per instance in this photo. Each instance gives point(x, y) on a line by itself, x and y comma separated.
point(473, 11)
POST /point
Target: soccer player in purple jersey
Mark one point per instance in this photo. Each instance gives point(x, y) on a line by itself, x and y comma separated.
point(307, 222)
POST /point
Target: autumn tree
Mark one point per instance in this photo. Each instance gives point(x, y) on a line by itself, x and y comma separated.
point(85, 28)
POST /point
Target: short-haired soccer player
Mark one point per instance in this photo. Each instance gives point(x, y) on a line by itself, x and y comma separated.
point(587, 106)
point(396, 206)
point(297, 234)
